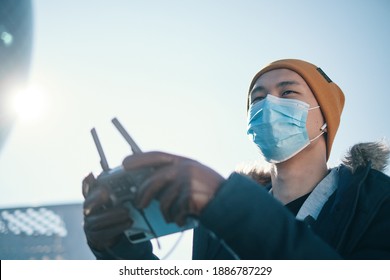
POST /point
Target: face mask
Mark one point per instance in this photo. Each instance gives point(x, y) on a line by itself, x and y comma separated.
point(278, 127)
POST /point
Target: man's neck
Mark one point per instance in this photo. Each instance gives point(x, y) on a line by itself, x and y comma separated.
point(297, 176)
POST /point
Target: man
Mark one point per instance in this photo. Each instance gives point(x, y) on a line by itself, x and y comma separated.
point(305, 212)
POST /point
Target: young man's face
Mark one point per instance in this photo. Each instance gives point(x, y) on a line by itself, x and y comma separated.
point(284, 83)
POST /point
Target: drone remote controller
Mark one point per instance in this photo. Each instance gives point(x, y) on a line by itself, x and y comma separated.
point(123, 185)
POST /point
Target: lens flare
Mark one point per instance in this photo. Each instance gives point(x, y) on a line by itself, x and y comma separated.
point(29, 104)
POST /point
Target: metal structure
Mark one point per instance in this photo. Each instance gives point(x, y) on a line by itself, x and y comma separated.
point(45, 232)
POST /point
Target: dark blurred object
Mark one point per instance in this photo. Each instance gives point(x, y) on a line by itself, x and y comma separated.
point(46, 232)
point(16, 25)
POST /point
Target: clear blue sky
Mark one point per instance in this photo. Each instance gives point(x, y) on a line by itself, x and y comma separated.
point(176, 74)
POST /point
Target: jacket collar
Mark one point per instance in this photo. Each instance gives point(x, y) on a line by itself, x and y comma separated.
point(336, 216)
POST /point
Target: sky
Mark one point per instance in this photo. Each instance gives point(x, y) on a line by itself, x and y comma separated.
point(176, 74)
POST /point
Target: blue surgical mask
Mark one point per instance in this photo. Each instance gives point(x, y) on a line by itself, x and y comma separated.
point(278, 127)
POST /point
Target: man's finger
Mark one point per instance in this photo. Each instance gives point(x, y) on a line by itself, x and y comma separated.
point(96, 199)
point(154, 185)
point(105, 238)
point(88, 184)
point(149, 159)
point(107, 219)
point(167, 198)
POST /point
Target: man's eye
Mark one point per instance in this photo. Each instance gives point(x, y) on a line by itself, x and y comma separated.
point(287, 92)
point(257, 99)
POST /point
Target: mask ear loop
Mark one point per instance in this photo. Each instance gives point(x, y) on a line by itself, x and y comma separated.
point(315, 107)
point(323, 130)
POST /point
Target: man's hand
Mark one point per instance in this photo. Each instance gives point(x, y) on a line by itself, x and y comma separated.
point(183, 186)
point(102, 225)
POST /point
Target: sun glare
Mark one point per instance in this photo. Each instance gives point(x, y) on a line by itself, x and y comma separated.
point(29, 104)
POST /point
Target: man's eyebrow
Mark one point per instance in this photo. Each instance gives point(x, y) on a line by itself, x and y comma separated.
point(279, 85)
point(287, 83)
point(258, 88)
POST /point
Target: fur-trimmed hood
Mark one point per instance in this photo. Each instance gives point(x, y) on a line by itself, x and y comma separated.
point(375, 153)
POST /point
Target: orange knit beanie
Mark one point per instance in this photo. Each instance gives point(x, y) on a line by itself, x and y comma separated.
point(329, 96)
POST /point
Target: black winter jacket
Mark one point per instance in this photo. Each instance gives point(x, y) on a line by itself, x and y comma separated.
point(353, 224)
